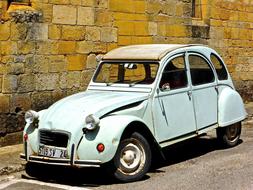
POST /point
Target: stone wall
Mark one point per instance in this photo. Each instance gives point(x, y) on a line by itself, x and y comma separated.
point(48, 47)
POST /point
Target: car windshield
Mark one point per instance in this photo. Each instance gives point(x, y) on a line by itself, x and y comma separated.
point(126, 73)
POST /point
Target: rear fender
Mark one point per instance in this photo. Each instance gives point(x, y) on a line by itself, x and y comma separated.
point(230, 107)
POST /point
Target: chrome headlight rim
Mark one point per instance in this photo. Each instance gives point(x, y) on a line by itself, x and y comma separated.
point(30, 116)
point(91, 122)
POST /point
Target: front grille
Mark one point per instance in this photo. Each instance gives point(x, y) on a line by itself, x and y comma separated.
point(50, 138)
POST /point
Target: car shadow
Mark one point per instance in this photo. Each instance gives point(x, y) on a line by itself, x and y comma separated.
point(188, 150)
point(95, 177)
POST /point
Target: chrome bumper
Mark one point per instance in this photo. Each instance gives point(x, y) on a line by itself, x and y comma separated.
point(62, 162)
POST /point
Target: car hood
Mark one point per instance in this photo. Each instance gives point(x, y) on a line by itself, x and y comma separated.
point(69, 113)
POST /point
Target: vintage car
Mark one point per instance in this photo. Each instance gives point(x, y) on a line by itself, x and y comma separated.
point(141, 99)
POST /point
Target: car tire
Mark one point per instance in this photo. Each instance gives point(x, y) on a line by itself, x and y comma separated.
point(229, 136)
point(132, 159)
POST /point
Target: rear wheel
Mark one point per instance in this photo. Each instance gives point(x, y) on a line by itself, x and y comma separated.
point(132, 159)
point(229, 135)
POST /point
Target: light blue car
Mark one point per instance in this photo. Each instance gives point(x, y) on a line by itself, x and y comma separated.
point(141, 99)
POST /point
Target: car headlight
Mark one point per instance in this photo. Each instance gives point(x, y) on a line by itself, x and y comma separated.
point(91, 122)
point(30, 116)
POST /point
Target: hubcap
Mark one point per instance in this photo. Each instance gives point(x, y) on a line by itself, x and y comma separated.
point(132, 158)
point(232, 132)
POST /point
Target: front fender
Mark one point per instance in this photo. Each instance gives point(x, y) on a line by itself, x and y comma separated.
point(109, 133)
point(231, 107)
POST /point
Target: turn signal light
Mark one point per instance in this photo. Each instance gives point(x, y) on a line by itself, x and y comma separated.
point(100, 147)
point(25, 137)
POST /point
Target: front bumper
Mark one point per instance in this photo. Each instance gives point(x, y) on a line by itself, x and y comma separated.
point(62, 162)
point(59, 161)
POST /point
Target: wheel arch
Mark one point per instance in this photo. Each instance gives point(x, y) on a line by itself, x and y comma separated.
point(230, 107)
point(141, 128)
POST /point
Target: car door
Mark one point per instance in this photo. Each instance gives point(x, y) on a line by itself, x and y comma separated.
point(204, 90)
point(173, 111)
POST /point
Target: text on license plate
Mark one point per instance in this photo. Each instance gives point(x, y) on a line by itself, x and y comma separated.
point(52, 152)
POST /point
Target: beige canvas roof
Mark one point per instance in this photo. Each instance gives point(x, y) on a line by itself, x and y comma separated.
point(142, 52)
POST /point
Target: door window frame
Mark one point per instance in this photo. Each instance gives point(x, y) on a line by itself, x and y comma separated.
point(178, 90)
point(213, 83)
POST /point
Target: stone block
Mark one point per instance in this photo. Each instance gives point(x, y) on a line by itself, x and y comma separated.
point(6, 59)
point(124, 40)
point(177, 31)
point(125, 27)
point(139, 6)
point(141, 28)
point(121, 6)
point(60, 2)
point(154, 7)
point(234, 33)
point(142, 40)
point(20, 102)
point(93, 33)
point(67, 47)
point(47, 47)
point(54, 32)
point(10, 83)
point(18, 31)
point(5, 31)
point(103, 18)
point(1, 79)
point(76, 62)
point(26, 83)
point(70, 80)
point(91, 61)
point(58, 94)
point(15, 68)
point(99, 47)
point(152, 28)
point(26, 47)
point(109, 34)
point(101, 4)
point(41, 100)
point(86, 16)
point(8, 47)
point(73, 33)
point(76, 2)
point(84, 47)
point(85, 78)
point(57, 63)
point(4, 103)
point(40, 64)
point(118, 16)
point(111, 46)
point(47, 11)
point(63, 14)
point(38, 31)
point(48, 81)
point(2, 69)
point(88, 3)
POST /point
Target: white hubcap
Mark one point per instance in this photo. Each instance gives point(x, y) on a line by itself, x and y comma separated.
point(131, 157)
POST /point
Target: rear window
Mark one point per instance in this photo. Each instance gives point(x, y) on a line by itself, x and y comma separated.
point(219, 67)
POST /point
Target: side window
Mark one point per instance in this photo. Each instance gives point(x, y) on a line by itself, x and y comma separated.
point(201, 72)
point(219, 67)
point(174, 74)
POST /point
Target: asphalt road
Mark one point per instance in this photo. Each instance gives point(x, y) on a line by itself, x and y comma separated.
point(196, 164)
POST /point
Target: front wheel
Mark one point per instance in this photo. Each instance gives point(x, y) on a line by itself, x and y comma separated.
point(132, 159)
point(229, 135)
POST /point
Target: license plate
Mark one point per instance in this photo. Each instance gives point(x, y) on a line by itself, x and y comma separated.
point(52, 152)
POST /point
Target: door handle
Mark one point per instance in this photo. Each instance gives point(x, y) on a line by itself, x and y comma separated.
point(190, 95)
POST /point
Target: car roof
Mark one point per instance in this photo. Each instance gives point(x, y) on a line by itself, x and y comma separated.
point(143, 52)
